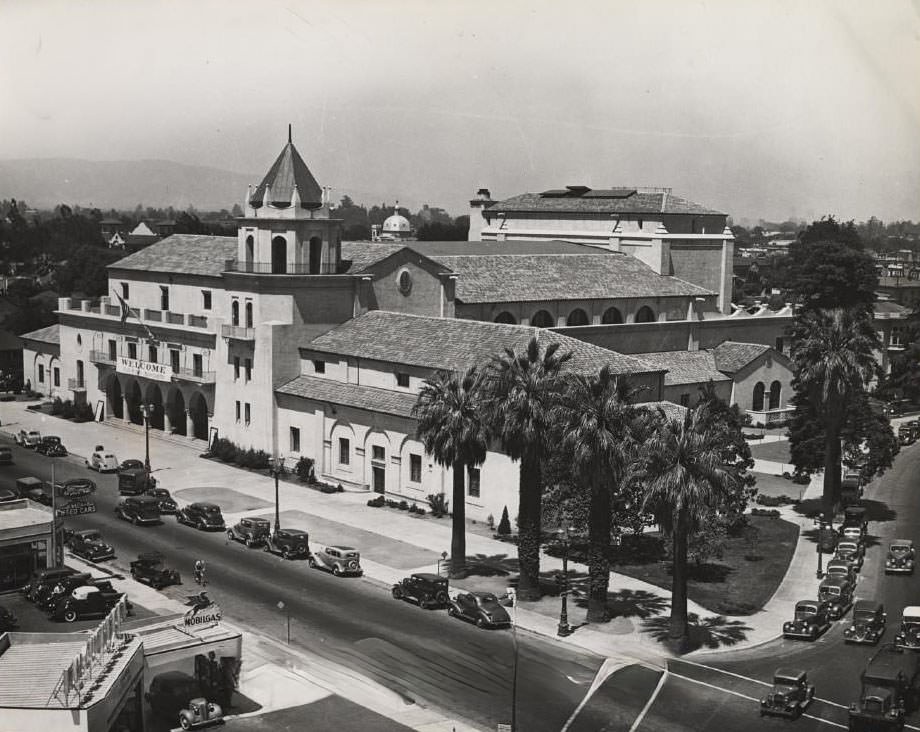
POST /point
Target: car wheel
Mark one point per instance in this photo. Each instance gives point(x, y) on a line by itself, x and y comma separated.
point(284, 553)
point(249, 543)
point(230, 535)
point(184, 723)
point(266, 548)
point(441, 598)
point(70, 616)
point(452, 611)
point(337, 571)
point(397, 593)
point(134, 520)
point(480, 622)
point(199, 526)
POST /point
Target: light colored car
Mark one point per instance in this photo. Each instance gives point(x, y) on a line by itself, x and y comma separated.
point(29, 438)
point(340, 560)
point(102, 460)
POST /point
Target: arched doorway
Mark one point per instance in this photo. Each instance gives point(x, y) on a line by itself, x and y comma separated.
point(175, 408)
point(505, 317)
point(115, 407)
point(775, 392)
point(279, 255)
point(154, 400)
point(645, 315)
point(134, 403)
point(577, 317)
point(198, 411)
point(542, 319)
point(758, 397)
point(316, 255)
point(612, 316)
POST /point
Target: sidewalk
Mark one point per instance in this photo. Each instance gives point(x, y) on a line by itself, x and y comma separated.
point(394, 544)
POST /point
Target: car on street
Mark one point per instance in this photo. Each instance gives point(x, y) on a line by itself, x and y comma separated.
point(200, 713)
point(851, 487)
point(840, 568)
point(135, 481)
point(41, 576)
point(852, 533)
point(250, 530)
point(790, 696)
point(28, 438)
point(202, 515)
point(102, 460)
point(482, 608)
point(852, 552)
point(907, 433)
point(423, 588)
point(51, 592)
point(837, 592)
point(86, 601)
point(827, 537)
point(170, 691)
point(340, 560)
point(51, 446)
point(8, 620)
point(6, 456)
point(855, 516)
point(289, 543)
point(164, 500)
point(811, 619)
point(131, 464)
point(868, 624)
point(908, 636)
point(139, 510)
point(89, 545)
point(900, 559)
point(152, 569)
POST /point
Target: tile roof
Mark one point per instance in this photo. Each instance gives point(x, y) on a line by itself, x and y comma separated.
point(731, 356)
point(196, 254)
point(514, 246)
point(287, 171)
point(454, 344)
point(685, 367)
point(889, 308)
point(370, 398)
point(358, 255)
point(670, 409)
point(637, 203)
point(51, 334)
point(535, 277)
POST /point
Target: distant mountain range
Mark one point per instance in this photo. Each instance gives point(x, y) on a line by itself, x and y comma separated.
point(46, 182)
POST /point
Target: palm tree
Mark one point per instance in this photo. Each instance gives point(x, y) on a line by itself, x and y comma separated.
point(595, 416)
point(451, 428)
point(833, 355)
point(685, 478)
point(522, 390)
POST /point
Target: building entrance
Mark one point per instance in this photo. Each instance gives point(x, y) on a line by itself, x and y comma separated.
point(379, 476)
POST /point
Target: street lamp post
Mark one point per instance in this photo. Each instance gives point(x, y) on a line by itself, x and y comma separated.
point(277, 469)
point(564, 628)
point(512, 594)
point(148, 411)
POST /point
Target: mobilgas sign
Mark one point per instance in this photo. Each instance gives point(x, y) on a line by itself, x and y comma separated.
point(203, 618)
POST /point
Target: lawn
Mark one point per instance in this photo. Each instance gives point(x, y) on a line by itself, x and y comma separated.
point(734, 584)
point(778, 452)
point(775, 485)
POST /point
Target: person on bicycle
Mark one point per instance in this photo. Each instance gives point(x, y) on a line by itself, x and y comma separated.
point(199, 572)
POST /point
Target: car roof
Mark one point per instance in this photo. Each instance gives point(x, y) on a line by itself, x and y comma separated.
point(789, 674)
point(912, 611)
point(151, 557)
point(811, 604)
point(902, 541)
point(834, 581)
point(341, 548)
point(293, 531)
point(256, 519)
point(86, 532)
point(84, 591)
point(866, 606)
point(205, 504)
point(429, 576)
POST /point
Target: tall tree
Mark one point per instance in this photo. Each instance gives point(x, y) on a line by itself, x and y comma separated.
point(685, 475)
point(594, 416)
point(522, 389)
point(451, 428)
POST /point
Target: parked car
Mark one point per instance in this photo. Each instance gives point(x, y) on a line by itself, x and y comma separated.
point(102, 460)
point(170, 692)
point(86, 601)
point(151, 569)
point(131, 465)
point(88, 544)
point(134, 482)
point(28, 438)
point(6, 456)
point(852, 552)
point(41, 494)
point(41, 576)
point(790, 696)
point(852, 533)
point(139, 510)
point(340, 560)
point(837, 592)
point(289, 543)
point(251, 531)
point(51, 446)
point(827, 537)
point(201, 515)
point(854, 517)
point(907, 433)
point(8, 620)
point(851, 486)
point(840, 568)
point(868, 625)
point(908, 636)
point(811, 619)
point(164, 501)
point(424, 588)
point(200, 713)
point(900, 558)
point(51, 592)
point(482, 608)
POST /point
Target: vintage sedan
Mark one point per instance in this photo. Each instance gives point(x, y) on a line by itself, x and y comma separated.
point(50, 593)
point(790, 696)
point(854, 517)
point(424, 588)
point(837, 592)
point(164, 500)
point(482, 608)
point(42, 577)
point(51, 446)
point(868, 625)
point(289, 543)
point(340, 560)
point(139, 510)
point(87, 601)
point(102, 460)
point(852, 552)
point(202, 515)
point(131, 464)
point(28, 438)
point(88, 545)
point(200, 713)
point(900, 558)
point(151, 569)
point(908, 636)
point(251, 531)
point(840, 568)
point(812, 618)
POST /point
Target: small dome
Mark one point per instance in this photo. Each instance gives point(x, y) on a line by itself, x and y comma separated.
point(396, 224)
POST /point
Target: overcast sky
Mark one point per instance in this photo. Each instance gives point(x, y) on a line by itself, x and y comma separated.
point(768, 109)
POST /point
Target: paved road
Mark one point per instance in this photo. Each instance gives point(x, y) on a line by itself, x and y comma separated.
point(421, 654)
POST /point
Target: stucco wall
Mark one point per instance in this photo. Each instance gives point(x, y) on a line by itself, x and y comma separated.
point(766, 369)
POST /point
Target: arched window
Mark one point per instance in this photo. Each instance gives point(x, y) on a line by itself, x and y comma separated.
point(235, 312)
point(758, 397)
point(279, 255)
point(612, 316)
point(645, 315)
point(316, 255)
point(775, 390)
point(250, 249)
point(248, 314)
point(542, 319)
point(577, 317)
point(506, 317)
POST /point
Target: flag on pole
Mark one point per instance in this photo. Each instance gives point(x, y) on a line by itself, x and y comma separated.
point(125, 310)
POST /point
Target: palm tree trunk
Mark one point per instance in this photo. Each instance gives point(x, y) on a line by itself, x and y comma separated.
point(458, 526)
point(598, 546)
point(677, 632)
point(529, 528)
point(831, 471)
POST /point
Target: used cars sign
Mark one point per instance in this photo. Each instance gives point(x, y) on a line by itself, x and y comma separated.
point(76, 507)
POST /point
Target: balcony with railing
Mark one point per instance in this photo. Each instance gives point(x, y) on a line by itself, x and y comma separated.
point(76, 384)
point(104, 309)
point(238, 333)
point(103, 357)
point(197, 376)
point(270, 268)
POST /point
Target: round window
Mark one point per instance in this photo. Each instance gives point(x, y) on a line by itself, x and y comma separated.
point(404, 282)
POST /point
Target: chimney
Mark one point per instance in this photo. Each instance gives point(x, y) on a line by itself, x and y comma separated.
point(477, 218)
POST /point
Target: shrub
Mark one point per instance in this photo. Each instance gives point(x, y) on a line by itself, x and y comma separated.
point(438, 504)
point(774, 500)
point(504, 525)
point(391, 503)
point(767, 512)
point(83, 413)
point(339, 488)
point(420, 511)
point(305, 470)
point(490, 522)
point(224, 450)
point(403, 506)
point(57, 406)
point(258, 459)
point(67, 410)
point(377, 502)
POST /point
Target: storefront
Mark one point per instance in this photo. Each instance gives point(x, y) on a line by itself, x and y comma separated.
point(25, 538)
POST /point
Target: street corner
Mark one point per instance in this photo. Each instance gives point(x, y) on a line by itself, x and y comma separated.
point(274, 687)
point(330, 712)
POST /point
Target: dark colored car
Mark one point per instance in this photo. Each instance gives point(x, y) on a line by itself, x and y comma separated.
point(289, 543)
point(8, 620)
point(139, 510)
point(131, 465)
point(852, 552)
point(165, 501)
point(837, 592)
point(854, 517)
point(88, 544)
point(134, 482)
point(868, 625)
point(51, 592)
point(900, 558)
point(6, 456)
point(424, 588)
point(251, 531)
point(812, 618)
point(170, 692)
point(790, 695)
point(86, 601)
point(40, 495)
point(201, 515)
point(827, 537)
point(482, 608)
point(42, 576)
point(51, 446)
point(151, 569)
point(839, 568)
